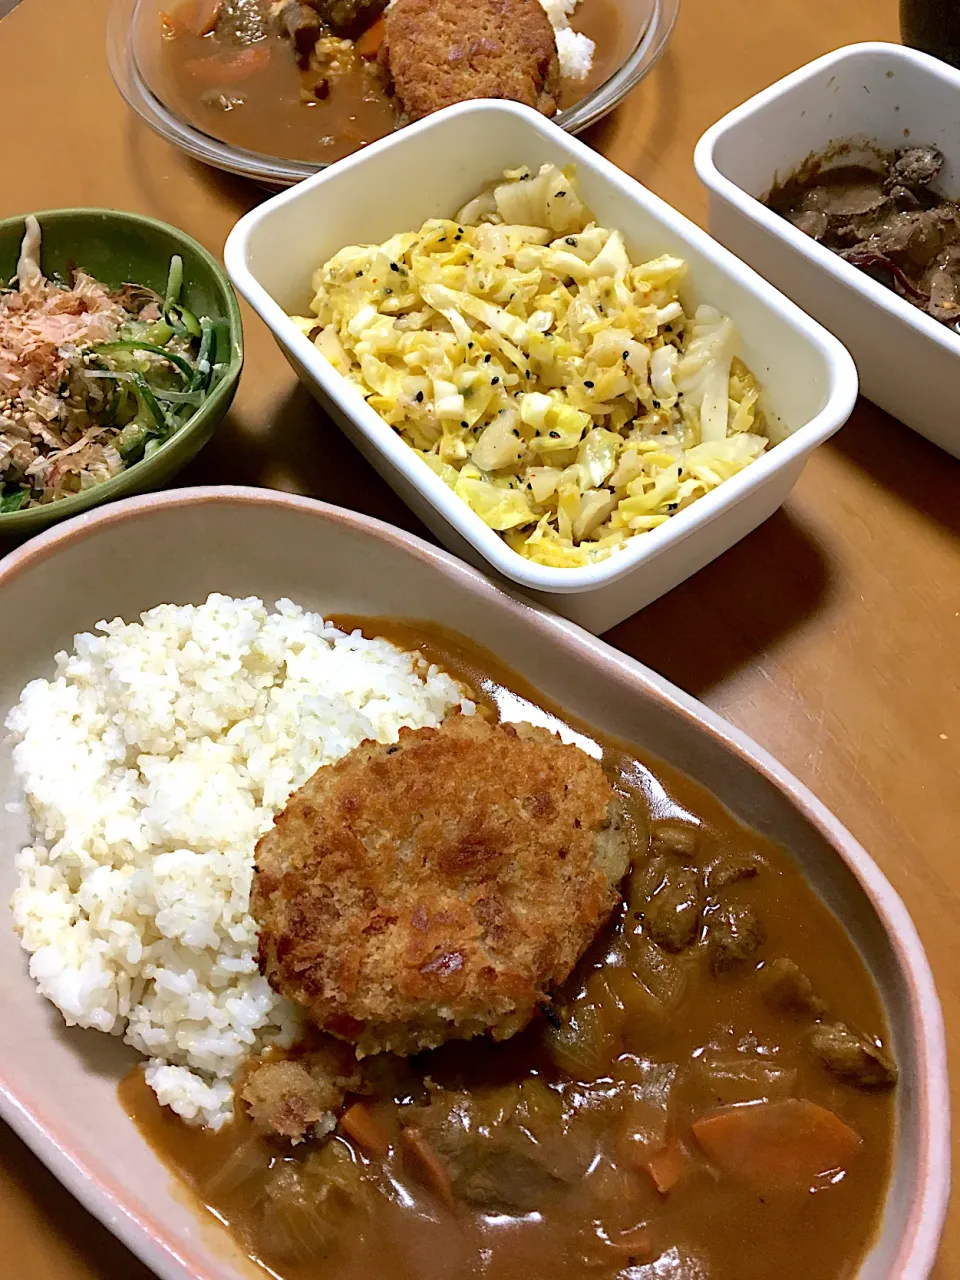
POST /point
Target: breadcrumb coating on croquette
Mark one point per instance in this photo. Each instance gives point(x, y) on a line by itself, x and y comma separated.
point(440, 887)
point(299, 1096)
point(437, 52)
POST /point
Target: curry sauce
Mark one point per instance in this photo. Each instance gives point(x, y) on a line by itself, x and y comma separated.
point(597, 1142)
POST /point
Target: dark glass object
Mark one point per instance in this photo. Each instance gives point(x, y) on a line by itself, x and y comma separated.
point(932, 26)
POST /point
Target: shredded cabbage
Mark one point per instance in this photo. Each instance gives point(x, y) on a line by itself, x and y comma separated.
point(557, 387)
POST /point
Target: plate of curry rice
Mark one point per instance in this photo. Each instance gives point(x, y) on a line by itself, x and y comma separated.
point(367, 920)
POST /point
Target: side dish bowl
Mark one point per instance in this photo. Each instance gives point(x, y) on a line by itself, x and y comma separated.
point(394, 185)
point(58, 1087)
point(117, 248)
point(652, 22)
point(907, 362)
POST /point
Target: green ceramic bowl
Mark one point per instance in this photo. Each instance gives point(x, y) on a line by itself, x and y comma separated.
point(116, 248)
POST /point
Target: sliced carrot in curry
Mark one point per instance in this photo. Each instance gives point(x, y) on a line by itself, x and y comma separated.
point(368, 45)
point(427, 1165)
point(170, 24)
point(230, 68)
point(778, 1145)
point(667, 1167)
point(359, 1123)
point(201, 16)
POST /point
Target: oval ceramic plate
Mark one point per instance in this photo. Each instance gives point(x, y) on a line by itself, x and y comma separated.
point(58, 1087)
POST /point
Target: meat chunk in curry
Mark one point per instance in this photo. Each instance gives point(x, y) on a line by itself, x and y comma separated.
point(785, 986)
point(853, 1057)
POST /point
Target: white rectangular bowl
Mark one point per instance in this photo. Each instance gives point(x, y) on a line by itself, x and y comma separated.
point(430, 169)
point(908, 362)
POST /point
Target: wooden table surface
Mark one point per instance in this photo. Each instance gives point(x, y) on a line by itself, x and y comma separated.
point(831, 634)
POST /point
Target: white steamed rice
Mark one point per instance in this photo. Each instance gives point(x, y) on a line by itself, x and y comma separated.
point(574, 50)
point(151, 763)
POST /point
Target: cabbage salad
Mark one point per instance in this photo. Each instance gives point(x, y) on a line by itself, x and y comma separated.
point(560, 390)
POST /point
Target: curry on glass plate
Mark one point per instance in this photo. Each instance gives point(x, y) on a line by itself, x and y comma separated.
point(431, 979)
point(314, 80)
point(305, 82)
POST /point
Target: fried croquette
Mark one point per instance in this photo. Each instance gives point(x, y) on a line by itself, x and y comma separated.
point(286, 1099)
point(293, 1098)
point(437, 52)
point(303, 1095)
point(440, 887)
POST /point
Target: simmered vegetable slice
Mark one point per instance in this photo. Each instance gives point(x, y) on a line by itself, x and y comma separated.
point(779, 1146)
point(667, 1167)
point(360, 1124)
point(719, 1080)
point(426, 1165)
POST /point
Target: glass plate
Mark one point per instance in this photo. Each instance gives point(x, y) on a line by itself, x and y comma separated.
point(651, 22)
